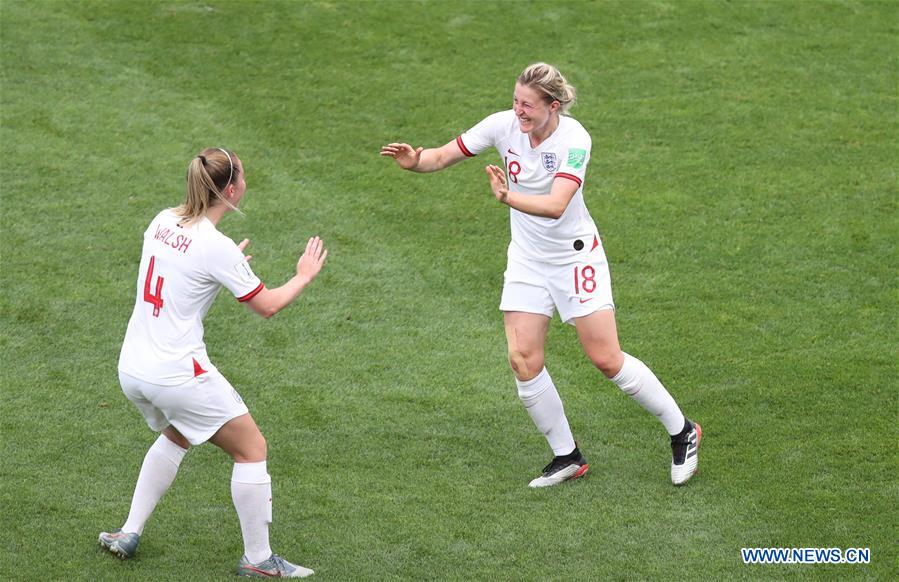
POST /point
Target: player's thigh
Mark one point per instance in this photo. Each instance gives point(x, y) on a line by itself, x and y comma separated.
point(598, 330)
point(525, 332)
point(598, 335)
point(241, 438)
point(201, 406)
point(525, 335)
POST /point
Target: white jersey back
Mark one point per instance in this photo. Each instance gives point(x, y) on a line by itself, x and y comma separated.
point(182, 268)
point(565, 154)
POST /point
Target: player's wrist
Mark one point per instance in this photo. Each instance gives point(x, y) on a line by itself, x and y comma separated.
point(303, 279)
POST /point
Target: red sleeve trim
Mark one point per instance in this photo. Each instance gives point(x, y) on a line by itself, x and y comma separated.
point(463, 148)
point(570, 177)
point(252, 293)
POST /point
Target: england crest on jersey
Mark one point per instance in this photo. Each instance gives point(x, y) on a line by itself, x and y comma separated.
point(549, 161)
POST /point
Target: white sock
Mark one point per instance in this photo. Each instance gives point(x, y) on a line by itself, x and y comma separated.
point(637, 381)
point(251, 490)
point(541, 399)
point(156, 475)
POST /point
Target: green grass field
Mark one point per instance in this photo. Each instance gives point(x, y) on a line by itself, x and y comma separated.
point(743, 178)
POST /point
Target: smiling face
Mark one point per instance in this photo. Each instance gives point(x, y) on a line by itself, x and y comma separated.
point(534, 110)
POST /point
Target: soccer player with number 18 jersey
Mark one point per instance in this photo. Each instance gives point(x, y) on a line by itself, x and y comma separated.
point(556, 262)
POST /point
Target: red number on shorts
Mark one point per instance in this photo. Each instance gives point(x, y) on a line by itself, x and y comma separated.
point(154, 300)
point(514, 169)
point(586, 279)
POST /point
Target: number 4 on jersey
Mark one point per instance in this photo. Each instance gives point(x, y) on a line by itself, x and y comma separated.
point(154, 300)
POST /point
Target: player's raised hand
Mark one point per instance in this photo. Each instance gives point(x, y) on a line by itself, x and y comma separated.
point(312, 260)
point(498, 183)
point(405, 155)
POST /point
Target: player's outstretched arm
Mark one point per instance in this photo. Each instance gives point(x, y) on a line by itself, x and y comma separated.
point(552, 205)
point(423, 160)
point(270, 301)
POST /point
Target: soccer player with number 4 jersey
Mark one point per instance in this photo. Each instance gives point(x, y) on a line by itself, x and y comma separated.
point(164, 368)
point(556, 261)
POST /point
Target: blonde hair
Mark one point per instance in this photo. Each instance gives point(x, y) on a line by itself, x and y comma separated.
point(208, 174)
point(548, 80)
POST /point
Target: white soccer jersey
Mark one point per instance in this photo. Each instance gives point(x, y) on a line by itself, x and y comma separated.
point(181, 271)
point(532, 171)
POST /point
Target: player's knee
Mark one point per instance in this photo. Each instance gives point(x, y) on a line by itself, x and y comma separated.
point(608, 361)
point(260, 447)
point(253, 450)
point(525, 365)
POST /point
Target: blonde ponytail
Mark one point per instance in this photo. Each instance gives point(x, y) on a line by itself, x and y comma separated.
point(208, 174)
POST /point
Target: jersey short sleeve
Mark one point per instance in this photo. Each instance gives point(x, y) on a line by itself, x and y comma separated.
point(484, 135)
point(575, 156)
point(227, 264)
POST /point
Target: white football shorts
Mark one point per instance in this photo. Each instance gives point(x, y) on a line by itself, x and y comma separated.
point(197, 408)
point(576, 289)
